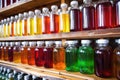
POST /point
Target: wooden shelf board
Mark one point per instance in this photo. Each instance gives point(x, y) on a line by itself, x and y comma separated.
point(40, 71)
point(103, 33)
point(22, 6)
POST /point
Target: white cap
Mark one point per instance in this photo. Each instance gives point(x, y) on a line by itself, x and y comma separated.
point(74, 4)
point(31, 13)
point(16, 17)
point(64, 5)
point(7, 43)
point(87, 1)
point(25, 43)
point(10, 75)
point(20, 15)
point(49, 42)
point(72, 42)
point(58, 42)
point(19, 76)
point(8, 70)
point(117, 41)
point(85, 41)
point(8, 19)
point(32, 43)
point(37, 12)
point(17, 43)
point(12, 18)
point(40, 42)
point(25, 14)
point(80, 8)
point(54, 7)
point(102, 41)
point(2, 21)
point(26, 77)
point(45, 10)
point(5, 20)
point(12, 43)
point(34, 77)
point(3, 43)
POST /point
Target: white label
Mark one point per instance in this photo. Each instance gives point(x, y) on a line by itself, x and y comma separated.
point(43, 24)
point(28, 26)
point(35, 24)
point(51, 22)
point(23, 27)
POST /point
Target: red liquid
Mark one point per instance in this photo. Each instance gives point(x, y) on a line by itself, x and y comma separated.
point(0, 53)
point(47, 24)
point(103, 62)
point(39, 57)
point(31, 56)
point(14, 1)
point(55, 22)
point(104, 15)
point(6, 53)
point(113, 15)
point(117, 15)
point(75, 20)
point(88, 18)
point(3, 3)
point(10, 54)
point(8, 2)
point(48, 57)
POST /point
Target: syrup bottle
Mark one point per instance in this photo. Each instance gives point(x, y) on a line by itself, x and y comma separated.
point(6, 51)
point(38, 22)
point(20, 27)
point(64, 19)
point(17, 53)
point(39, 54)
point(88, 15)
point(104, 14)
point(117, 60)
point(31, 53)
point(75, 17)
point(24, 52)
point(7, 27)
point(46, 21)
point(103, 59)
point(12, 27)
point(86, 57)
point(48, 54)
point(4, 26)
point(54, 19)
point(59, 56)
point(72, 57)
point(25, 24)
point(10, 52)
point(16, 29)
point(0, 50)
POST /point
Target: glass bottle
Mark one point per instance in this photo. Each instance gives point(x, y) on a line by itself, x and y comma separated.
point(72, 57)
point(54, 19)
point(0, 50)
point(4, 26)
point(48, 54)
point(59, 56)
point(46, 21)
point(17, 53)
point(103, 58)
point(15, 74)
point(75, 17)
point(86, 57)
point(10, 76)
point(24, 52)
point(104, 14)
point(12, 27)
point(31, 53)
point(31, 29)
point(3, 73)
point(8, 27)
point(16, 29)
point(6, 51)
point(38, 22)
point(88, 15)
point(117, 13)
point(25, 24)
point(64, 19)
point(10, 52)
point(39, 54)
point(117, 60)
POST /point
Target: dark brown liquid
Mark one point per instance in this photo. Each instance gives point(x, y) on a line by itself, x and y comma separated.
point(10, 54)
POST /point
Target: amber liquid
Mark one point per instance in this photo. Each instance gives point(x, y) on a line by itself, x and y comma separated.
point(47, 24)
point(39, 57)
point(10, 54)
point(103, 62)
point(6, 53)
point(75, 20)
point(4, 30)
point(17, 55)
point(25, 33)
point(2, 53)
point(24, 53)
point(88, 18)
point(59, 58)
point(117, 15)
point(12, 29)
point(31, 56)
point(48, 57)
point(104, 15)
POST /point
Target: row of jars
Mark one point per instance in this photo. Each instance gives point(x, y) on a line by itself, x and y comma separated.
point(10, 74)
point(102, 60)
point(89, 16)
point(4, 3)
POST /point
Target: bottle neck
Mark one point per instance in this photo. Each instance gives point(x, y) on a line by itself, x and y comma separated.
point(85, 44)
point(102, 45)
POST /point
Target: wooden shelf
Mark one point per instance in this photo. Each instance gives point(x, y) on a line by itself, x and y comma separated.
point(23, 5)
point(103, 33)
point(51, 73)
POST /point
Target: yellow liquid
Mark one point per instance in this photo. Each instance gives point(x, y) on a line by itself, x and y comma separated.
point(17, 57)
point(65, 22)
point(32, 26)
point(4, 30)
point(39, 25)
point(9, 32)
point(20, 24)
point(15, 28)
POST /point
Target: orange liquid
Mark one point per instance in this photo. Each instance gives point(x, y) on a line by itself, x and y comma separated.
point(12, 29)
point(17, 55)
point(6, 53)
point(24, 54)
point(31, 56)
point(25, 28)
point(59, 59)
point(47, 24)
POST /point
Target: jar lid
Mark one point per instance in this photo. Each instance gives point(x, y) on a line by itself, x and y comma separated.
point(102, 41)
point(64, 5)
point(12, 18)
point(16, 17)
point(74, 4)
point(31, 13)
point(8, 19)
point(87, 1)
point(45, 10)
point(85, 41)
point(37, 12)
point(25, 14)
point(54, 7)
